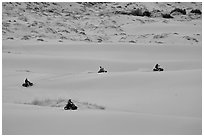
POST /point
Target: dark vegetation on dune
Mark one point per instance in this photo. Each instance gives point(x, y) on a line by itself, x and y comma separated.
point(86, 21)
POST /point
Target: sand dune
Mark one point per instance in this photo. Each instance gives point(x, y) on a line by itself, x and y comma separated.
point(130, 92)
point(94, 122)
point(60, 46)
point(103, 22)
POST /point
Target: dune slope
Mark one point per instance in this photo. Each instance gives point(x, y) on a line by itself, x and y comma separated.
point(129, 99)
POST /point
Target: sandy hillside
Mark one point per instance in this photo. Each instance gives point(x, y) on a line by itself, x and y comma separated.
point(60, 46)
point(145, 23)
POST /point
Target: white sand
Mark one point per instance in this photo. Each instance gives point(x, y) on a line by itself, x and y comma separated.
point(136, 100)
point(130, 98)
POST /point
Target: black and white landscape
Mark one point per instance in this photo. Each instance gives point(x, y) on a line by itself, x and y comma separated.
point(60, 46)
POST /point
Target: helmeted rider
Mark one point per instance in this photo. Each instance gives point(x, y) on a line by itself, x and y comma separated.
point(157, 66)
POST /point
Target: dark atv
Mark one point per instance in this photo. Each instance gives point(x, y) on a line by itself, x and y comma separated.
point(158, 69)
point(70, 106)
point(27, 83)
point(102, 70)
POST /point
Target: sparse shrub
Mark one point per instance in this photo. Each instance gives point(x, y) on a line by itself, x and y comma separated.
point(23, 18)
point(190, 38)
point(26, 37)
point(10, 38)
point(147, 13)
point(196, 11)
point(34, 23)
point(132, 41)
point(40, 39)
point(87, 39)
point(83, 33)
point(122, 12)
point(50, 10)
point(89, 4)
point(156, 13)
point(99, 40)
point(182, 11)
point(160, 36)
point(122, 33)
point(137, 12)
point(54, 3)
point(168, 16)
point(63, 37)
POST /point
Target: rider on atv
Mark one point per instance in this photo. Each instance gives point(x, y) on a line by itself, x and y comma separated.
point(101, 70)
point(157, 68)
point(27, 83)
point(70, 105)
